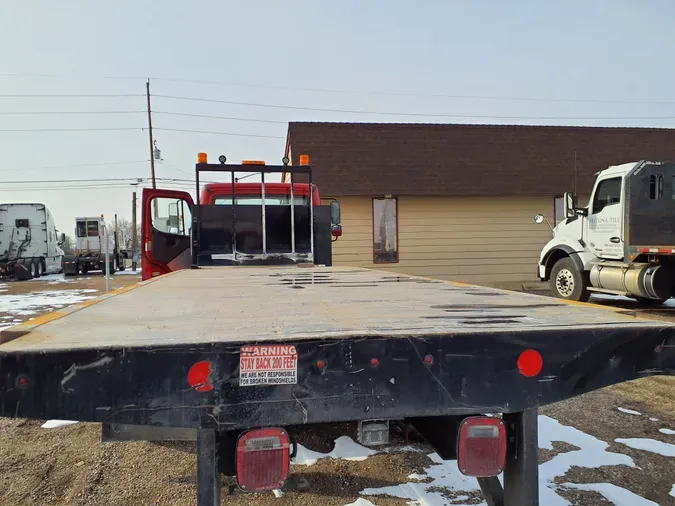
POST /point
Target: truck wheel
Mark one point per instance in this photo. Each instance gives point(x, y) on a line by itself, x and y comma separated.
point(37, 268)
point(22, 269)
point(34, 267)
point(567, 282)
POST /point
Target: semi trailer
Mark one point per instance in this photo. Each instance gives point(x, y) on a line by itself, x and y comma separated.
point(622, 242)
point(91, 241)
point(242, 332)
point(30, 245)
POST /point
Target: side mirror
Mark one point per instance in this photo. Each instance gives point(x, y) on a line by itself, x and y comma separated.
point(335, 212)
point(62, 238)
point(570, 205)
point(539, 219)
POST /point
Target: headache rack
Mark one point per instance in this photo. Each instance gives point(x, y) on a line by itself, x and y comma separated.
point(236, 234)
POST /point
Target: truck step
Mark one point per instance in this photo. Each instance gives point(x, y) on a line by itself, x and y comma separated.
point(610, 292)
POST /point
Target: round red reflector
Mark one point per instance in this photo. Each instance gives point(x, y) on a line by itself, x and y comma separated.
point(530, 363)
point(374, 362)
point(428, 359)
point(321, 364)
point(198, 376)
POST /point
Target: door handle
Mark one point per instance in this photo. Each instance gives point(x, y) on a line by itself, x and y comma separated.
point(615, 240)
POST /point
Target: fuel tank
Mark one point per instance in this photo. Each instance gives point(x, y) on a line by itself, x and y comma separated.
point(651, 281)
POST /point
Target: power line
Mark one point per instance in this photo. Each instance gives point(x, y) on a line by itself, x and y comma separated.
point(384, 113)
point(98, 180)
point(219, 117)
point(425, 114)
point(62, 95)
point(70, 129)
point(254, 120)
point(46, 167)
point(41, 113)
point(219, 133)
point(347, 91)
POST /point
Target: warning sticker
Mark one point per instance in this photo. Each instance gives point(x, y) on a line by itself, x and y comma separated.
point(268, 365)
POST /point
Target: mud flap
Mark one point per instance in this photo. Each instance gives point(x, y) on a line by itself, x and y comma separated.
point(69, 266)
point(21, 272)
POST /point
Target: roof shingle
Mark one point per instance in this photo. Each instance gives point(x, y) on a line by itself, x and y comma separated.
point(453, 159)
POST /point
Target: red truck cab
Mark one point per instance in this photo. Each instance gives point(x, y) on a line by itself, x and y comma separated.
point(270, 223)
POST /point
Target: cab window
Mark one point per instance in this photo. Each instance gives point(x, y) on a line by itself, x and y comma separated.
point(254, 200)
point(171, 216)
point(92, 229)
point(608, 193)
point(81, 229)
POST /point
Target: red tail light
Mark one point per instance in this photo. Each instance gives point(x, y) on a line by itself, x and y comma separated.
point(481, 447)
point(263, 459)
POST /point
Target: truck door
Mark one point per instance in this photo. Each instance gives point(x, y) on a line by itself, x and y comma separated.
point(605, 219)
point(165, 232)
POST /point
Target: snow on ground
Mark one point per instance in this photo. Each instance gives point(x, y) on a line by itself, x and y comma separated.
point(617, 495)
point(29, 304)
point(672, 492)
point(649, 445)
point(360, 502)
point(345, 448)
point(55, 424)
point(443, 476)
point(629, 411)
point(667, 432)
point(129, 272)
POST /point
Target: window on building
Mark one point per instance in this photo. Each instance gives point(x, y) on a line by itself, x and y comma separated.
point(559, 209)
point(385, 230)
point(608, 193)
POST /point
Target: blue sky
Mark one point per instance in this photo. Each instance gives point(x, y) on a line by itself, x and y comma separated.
point(585, 54)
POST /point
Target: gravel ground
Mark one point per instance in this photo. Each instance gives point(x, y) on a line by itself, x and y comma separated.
point(69, 465)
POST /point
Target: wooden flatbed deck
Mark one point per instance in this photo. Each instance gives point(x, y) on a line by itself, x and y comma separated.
point(245, 304)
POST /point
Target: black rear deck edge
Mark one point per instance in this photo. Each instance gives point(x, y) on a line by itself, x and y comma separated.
point(469, 375)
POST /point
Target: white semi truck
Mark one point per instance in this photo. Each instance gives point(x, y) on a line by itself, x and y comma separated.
point(30, 245)
point(622, 243)
point(90, 248)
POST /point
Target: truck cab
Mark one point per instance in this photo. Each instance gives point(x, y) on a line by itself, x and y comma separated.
point(89, 234)
point(622, 242)
point(91, 244)
point(236, 223)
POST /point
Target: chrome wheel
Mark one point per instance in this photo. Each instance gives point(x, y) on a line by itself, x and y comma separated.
point(564, 283)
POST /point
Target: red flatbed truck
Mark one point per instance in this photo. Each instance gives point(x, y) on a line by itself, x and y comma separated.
point(241, 357)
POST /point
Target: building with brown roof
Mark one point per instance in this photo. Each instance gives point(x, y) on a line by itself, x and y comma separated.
point(457, 201)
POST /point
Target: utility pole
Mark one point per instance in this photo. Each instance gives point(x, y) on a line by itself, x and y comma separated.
point(134, 236)
point(152, 144)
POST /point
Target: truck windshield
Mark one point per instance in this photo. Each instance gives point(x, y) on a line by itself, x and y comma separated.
point(270, 200)
point(81, 230)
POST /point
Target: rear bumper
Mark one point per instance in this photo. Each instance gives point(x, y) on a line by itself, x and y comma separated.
point(459, 378)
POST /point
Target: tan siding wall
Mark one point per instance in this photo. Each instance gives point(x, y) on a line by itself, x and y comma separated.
point(474, 239)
